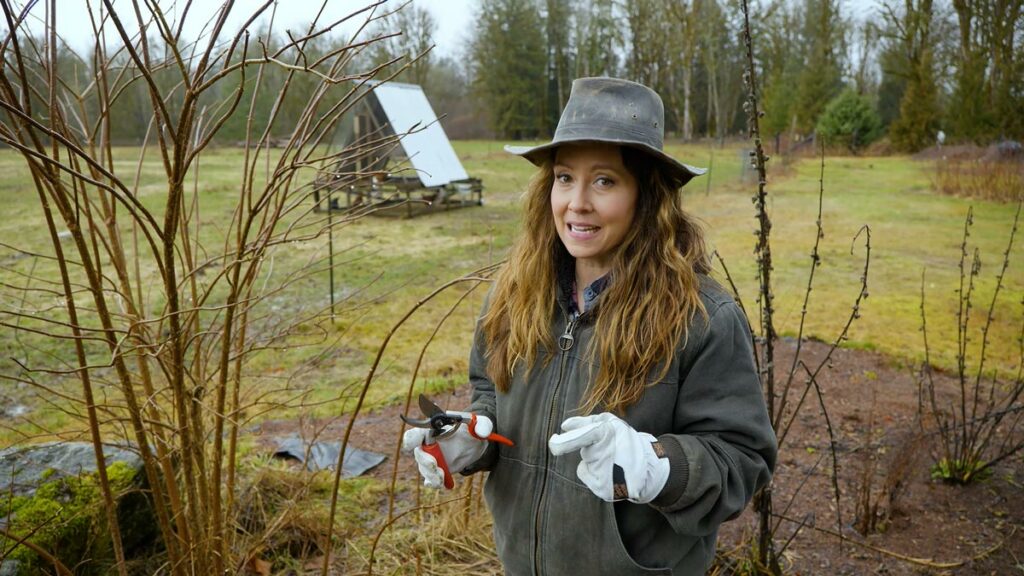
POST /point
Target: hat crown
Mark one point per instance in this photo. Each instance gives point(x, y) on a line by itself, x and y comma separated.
point(617, 112)
point(612, 110)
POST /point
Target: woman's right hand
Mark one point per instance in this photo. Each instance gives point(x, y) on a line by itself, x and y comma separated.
point(437, 461)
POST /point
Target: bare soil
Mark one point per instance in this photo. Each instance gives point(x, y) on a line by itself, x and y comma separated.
point(924, 526)
point(937, 528)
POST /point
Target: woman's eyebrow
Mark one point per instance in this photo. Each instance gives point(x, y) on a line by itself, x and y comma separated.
point(593, 167)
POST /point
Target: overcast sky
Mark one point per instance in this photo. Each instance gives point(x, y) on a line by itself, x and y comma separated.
point(454, 17)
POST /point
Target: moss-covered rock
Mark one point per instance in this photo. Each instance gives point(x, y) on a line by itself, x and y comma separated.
point(61, 508)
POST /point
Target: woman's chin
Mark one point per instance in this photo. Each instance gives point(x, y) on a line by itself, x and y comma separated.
point(580, 252)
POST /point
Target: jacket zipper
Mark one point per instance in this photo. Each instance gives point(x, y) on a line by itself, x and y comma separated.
point(565, 343)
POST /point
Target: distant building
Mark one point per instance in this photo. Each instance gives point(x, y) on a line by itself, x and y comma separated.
point(399, 154)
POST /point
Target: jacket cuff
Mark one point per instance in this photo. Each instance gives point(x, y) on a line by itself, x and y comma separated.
point(679, 472)
point(490, 456)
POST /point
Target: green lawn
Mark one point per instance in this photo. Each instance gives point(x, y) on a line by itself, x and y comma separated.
point(912, 231)
point(391, 264)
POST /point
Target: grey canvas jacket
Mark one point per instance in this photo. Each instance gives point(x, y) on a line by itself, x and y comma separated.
point(708, 413)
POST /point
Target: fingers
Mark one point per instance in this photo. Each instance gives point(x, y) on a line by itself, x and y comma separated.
point(481, 426)
point(431, 472)
point(413, 437)
point(581, 432)
point(638, 471)
point(577, 422)
point(581, 421)
point(576, 438)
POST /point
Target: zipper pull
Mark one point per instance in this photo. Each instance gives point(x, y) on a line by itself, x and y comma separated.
point(566, 340)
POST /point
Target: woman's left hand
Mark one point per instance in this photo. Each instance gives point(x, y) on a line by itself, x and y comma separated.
point(617, 462)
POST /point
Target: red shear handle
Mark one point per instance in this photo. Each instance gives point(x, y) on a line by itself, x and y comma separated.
point(492, 437)
point(435, 451)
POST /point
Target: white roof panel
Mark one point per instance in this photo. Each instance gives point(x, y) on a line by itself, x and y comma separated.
point(427, 147)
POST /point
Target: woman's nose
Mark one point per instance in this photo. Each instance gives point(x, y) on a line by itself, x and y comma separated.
point(579, 200)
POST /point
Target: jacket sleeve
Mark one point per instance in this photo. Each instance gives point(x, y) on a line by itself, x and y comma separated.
point(724, 449)
point(484, 395)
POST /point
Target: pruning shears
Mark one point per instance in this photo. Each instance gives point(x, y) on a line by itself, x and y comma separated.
point(443, 424)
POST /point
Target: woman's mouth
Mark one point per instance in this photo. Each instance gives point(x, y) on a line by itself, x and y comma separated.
point(581, 231)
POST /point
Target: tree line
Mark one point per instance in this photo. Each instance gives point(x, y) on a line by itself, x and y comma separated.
point(908, 68)
point(921, 66)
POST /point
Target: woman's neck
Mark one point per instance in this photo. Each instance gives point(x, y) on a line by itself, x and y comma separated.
point(586, 274)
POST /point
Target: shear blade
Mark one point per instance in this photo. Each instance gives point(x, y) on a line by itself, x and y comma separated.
point(415, 423)
point(429, 408)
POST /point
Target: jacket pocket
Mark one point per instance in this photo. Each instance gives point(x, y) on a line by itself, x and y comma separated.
point(579, 534)
point(510, 498)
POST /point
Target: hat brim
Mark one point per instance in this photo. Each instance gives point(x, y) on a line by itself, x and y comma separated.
point(678, 170)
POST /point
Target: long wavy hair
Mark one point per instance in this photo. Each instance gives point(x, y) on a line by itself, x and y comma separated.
point(643, 313)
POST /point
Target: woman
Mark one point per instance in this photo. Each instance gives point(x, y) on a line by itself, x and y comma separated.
point(624, 375)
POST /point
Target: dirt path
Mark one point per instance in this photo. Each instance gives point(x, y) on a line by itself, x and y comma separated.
point(872, 403)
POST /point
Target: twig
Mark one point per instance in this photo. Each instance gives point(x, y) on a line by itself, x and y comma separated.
point(408, 396)
point(763, 503)
point(46, 556)
point(472, 277)
point(903, 557)
point(815, 262)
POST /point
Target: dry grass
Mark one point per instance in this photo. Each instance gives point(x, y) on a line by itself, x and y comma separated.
point(283, 522)
point(1000, 181)
point(446, 532)
point(283, 519)
point(994, 173)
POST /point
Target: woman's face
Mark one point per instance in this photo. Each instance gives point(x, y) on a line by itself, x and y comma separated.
point(593, 200)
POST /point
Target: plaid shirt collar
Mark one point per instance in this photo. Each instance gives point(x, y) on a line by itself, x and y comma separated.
point(590, 294)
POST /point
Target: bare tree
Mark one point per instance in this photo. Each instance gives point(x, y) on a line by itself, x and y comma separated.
point(163, 303)
point(408, 32)
point(686, 15)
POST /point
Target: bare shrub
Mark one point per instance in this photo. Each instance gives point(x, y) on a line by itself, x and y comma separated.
point(148, 306)
point(876, 506)
point(981, 425)
point(766, 555)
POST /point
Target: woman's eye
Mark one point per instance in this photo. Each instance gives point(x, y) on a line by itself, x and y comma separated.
point(605, 182)
point(563, 178)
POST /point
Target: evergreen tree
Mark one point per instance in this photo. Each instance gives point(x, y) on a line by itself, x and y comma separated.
point(509, 61)
point(558, 19)
point(781, 60)
point(918, 123)
point(820, 78)
point(910, 33)
point(779, 102)
point(894, 82)
point(850, 121)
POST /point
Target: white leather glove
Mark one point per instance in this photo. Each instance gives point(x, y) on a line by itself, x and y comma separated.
point(438, 460)
point(605, 443)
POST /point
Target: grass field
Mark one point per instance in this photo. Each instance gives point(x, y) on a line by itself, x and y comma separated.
point(390, 264)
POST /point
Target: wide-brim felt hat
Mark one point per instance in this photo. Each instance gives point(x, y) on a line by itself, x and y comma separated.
point(612, 111)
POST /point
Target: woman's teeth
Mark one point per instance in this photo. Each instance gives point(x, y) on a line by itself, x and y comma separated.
point(578, 228)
